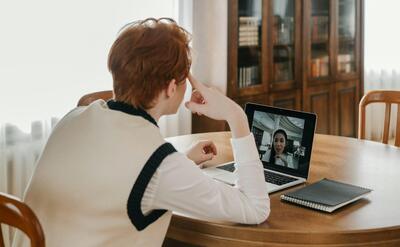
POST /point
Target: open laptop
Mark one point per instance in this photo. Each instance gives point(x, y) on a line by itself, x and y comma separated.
point(284, 141)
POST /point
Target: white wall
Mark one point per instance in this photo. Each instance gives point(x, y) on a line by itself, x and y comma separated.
point(52, 51)
point(210, 42)
point(382, 36)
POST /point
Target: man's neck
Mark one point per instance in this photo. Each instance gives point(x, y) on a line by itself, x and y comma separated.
point(155, 112)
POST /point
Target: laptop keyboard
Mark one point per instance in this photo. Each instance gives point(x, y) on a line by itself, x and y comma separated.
point(270, 177)
point(277, 179)
point(228, 167)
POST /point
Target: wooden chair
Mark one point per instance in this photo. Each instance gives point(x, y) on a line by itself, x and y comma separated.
point(380, 96)
point(89, 98)
point(17, 214)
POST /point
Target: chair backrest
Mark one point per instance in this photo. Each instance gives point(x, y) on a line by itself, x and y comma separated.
point(89, 98)
point(380, 96)
point(17, 214)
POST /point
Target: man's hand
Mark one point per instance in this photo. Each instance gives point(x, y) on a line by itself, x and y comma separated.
point(201, 151)
point(213, 104)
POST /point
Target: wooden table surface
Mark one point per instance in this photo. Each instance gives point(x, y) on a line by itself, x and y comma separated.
point(372, 221)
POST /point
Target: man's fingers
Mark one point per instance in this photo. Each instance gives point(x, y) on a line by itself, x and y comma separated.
point(214, 148)
point(195, 84)
point(197, 97)
point(209, 147)
point(195, 107)
point(208, 157)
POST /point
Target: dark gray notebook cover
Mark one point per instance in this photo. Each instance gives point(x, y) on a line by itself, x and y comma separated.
point(328, 192)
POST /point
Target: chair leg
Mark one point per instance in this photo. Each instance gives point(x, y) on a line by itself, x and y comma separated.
point(1, 237)
point(387, 123)
point(397, 135)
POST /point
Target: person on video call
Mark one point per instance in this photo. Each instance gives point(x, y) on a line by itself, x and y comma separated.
point(277, 154)
point(107, 177)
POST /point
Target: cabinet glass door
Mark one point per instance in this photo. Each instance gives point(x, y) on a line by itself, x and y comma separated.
point(249, 43)
point(346, 36)
point(319, 31)
point(283, 39)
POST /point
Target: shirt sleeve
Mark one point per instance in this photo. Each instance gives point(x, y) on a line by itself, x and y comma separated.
point(180, 185)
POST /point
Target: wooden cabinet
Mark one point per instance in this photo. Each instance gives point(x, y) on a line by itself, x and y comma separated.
point(319, 100)
point(347, 95)
point(287, 99)
point(336, 106)
point(259, 99)
point(332, 71)
point(297, 54)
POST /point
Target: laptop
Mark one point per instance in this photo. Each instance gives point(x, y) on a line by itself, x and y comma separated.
point(284, 141)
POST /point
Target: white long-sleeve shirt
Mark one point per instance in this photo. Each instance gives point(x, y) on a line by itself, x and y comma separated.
point(179, 185)
point(88, 185)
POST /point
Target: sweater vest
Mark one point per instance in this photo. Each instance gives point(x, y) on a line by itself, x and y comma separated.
point(90, 179)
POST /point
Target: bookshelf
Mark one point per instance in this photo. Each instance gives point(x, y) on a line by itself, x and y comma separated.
point(332, 75)
point(297, 54)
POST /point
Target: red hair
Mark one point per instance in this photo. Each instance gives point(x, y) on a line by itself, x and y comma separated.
point(146, 56)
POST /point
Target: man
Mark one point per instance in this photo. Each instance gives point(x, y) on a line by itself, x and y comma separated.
point(108, 178)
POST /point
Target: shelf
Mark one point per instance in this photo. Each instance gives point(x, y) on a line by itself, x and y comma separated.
point(326, 78)
point(320, 14)
point(249, 47)
point(319, 41)
point(281, 60)
point(283, 45)
point(253, 85)
point(275, 82)
point(347, 40)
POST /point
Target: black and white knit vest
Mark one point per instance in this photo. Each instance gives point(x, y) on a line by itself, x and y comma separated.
point(91, 177)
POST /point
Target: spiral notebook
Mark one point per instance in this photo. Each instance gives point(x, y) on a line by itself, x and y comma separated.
point(326, 195)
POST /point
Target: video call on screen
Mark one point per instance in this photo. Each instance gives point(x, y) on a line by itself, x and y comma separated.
point(279, 139)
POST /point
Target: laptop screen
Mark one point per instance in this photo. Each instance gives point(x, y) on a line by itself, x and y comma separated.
point(283, 138)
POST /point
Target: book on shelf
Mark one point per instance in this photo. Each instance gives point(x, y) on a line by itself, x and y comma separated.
point(320, 66)
point(248, 19)
point(248, 76)
point(326, 195)
point(249, 42)
point(345, 62)
point(248, 34)
point(248, 31)
point(320, 28)
point(246, 28)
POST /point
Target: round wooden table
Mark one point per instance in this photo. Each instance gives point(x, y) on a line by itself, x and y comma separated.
point(372, 221)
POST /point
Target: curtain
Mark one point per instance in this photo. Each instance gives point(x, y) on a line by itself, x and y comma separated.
point(19, 151)
point(382, 64)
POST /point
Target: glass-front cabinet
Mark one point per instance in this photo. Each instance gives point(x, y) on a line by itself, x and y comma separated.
point(283, 40)
point(346, 35)
point(319, 36)
point(332, 38)
point(249, 43)
point(299, 54)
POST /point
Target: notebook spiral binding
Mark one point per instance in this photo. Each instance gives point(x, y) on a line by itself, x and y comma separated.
point(305, 203)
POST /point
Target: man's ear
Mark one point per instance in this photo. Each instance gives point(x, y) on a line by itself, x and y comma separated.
point(171, 89)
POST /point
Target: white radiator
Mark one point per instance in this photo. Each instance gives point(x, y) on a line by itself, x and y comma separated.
point(19, 152)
